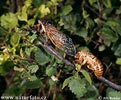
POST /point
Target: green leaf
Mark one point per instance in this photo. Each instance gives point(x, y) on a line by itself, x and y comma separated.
point(6, 67)
point(92, 1)
point(32, 84)
point(18, 69)
point(83, 33)
point(24, 62)
point(67, 81)
point(77, 87)
point(44, 10)
point(50, 71)
point(115, 25)
point(51, 82)
point(78, 67)
point(69, 24)
point(85, 14)
point(29, 50)
point(118, 51)
point(108, 35)
point(32, 37)
point(37, 3)
point(66, 10)
point(107, 3)
point(3, 58)
point(87, 76)
point(42, 57)
point(32, 77)
point(33, 68)
point(22, 14)
point(14, 91)
point(118, 61)
point(92, 93)
point(89, 23)
point(111, 93)
point(9, 20)
point(15, 39)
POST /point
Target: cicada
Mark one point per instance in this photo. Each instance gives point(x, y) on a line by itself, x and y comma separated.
point(58, 38)
point(85, 57)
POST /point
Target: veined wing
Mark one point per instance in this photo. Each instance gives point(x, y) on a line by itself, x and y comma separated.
point(61, 41)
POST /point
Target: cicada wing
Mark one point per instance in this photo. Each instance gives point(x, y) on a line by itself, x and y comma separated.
point(62, 41)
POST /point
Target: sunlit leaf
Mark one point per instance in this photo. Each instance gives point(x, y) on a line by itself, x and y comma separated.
point(44, 10)
point(22, 14)
point(15, 39)
point(4, 57)
point(118, 61)
point(9, 20)
point(18, 69)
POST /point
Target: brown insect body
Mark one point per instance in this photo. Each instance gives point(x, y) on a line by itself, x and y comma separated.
point(85, 57)
point(59, 39)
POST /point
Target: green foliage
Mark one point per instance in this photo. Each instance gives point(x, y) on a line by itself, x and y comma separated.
point(78, 87)
point(44, 10)
point(32, 84)
point(50, 71)
point(22, 14)
point(67, 81)
point(94, 25)
point(42, 57)
point(9, 20)
point(113, 94)
point(15, 39)
point(118, 61)
point(66, 10)
point(87, 76)
point(14, 91)
point(5, 67)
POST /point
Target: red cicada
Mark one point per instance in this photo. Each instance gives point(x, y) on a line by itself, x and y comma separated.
point(58, 38)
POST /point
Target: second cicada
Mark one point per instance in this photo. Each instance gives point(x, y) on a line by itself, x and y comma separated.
point(58, 38)
point(85, 57)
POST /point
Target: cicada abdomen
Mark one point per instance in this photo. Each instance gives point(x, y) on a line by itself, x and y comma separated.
point(85, 57)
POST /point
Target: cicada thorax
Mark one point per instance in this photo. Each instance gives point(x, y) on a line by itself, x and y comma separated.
point(60, 40)
point(85, 57)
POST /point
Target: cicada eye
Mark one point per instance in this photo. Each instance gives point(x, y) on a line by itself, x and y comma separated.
point(49, 23)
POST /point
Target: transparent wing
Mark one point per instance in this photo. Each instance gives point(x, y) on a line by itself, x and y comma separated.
point(61, 41)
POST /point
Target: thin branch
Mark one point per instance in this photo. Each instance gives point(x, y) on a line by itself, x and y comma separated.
point(54, 52)
point(111, 84)
point(67, 62)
